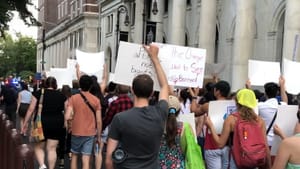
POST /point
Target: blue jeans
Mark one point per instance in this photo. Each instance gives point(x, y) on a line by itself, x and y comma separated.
point(219, 159)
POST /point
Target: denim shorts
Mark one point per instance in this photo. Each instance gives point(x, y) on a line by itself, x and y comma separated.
point(82, 144)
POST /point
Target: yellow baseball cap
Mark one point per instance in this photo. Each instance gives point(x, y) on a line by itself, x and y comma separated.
point(246, 97)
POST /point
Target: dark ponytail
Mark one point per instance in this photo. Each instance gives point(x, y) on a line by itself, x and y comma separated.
point(171, 127)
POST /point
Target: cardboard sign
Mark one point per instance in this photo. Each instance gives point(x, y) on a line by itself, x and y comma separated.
point(71, 63)
point(183, 66)
point(91, 63)
point(286, 120)
point(219, 110)
point(261, 72)
point(63, 76)
point(291, 70)
point(188, 118)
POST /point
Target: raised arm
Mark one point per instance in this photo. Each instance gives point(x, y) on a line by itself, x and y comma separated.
point(152, 51)
point(283, 94)
point(195, 107)
point(104, 79)
point(78, 73)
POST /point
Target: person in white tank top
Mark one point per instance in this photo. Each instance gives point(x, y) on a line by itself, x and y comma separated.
point(24, 99)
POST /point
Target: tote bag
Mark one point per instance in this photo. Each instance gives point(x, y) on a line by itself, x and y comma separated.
point(193, 154)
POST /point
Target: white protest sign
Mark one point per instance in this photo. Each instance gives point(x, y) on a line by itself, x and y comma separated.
point(91, 63)
point(71, 63)
point(290, 73)
point(261, 72)
point(183, 66)
point(188, 118)
point(286, 120)
point(63, 76)
point(219, 110)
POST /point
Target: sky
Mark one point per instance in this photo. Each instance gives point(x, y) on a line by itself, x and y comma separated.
point(18, 26)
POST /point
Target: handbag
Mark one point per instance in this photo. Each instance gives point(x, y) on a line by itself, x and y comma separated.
point(37, 134)
point(192, 151)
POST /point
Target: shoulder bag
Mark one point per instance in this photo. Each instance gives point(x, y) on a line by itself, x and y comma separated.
point(37, 134)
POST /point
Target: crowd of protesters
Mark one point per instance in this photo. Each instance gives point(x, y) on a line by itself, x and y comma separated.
point(112, 125)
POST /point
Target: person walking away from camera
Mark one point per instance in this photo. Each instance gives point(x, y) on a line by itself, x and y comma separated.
point(23, 102)
point(52, 121)
point(215, 157)
point(170, 153)
point(267, 110)
point(9, 97)
point(246, 102)
point(139, 130)
point(86, 126)
point(62, 148)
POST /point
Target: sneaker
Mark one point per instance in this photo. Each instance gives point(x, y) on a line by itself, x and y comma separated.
point(43, 167)
point(61, 163)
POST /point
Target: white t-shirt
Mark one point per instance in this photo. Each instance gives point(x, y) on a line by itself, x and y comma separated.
point(267, 110)
point(185, 109)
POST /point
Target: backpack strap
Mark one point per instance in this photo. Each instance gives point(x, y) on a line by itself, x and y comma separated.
point(272, 122)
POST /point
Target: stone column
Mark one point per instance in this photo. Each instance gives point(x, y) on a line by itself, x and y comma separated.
point(207, 28)
point(176, 25)
point(137, 32)
point(291, 30)
point(158, 18)
point(243, 42)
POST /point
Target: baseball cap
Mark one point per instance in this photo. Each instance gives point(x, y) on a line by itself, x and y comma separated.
point(246, 97)
point(174, 104)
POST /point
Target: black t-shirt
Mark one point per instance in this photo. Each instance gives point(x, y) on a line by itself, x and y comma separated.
point(139, 131)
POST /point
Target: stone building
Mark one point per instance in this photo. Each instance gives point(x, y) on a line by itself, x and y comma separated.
point(232, 31)
point(67, 25)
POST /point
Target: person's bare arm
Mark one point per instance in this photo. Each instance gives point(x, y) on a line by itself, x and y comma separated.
point(282, 156)
point(18, 102)
point(111, 146)
point(195, 107)
point(29, 112)
point(99, 125)
point(222, 139)
point(152, 51)
point(104, 79)
point(78, 72)
point(279, 132)
point(283, 94)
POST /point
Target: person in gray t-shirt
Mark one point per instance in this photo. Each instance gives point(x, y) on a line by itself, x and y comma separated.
point(139, 130)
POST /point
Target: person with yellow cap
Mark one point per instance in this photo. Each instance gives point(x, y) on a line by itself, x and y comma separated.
point(246, 103)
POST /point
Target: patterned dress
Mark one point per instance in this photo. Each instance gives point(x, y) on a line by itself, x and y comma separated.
point(171, 158)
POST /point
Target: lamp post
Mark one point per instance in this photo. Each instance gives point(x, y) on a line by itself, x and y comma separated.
point(121, 9)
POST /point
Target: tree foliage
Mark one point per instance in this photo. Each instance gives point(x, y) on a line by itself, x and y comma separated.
point(17, 55)
point(6, 15)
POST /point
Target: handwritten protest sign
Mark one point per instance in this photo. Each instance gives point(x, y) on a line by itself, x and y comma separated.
point(186, 66)
point(183, 66)
point(91, 63)
point(286, 119)
point(188, 118)
point(219, 110)
point(261, 72)
point(290, 73)
point(63, 76)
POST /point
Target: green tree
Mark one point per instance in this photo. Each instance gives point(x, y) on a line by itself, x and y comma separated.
point(6, 15)
point(17, 55)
